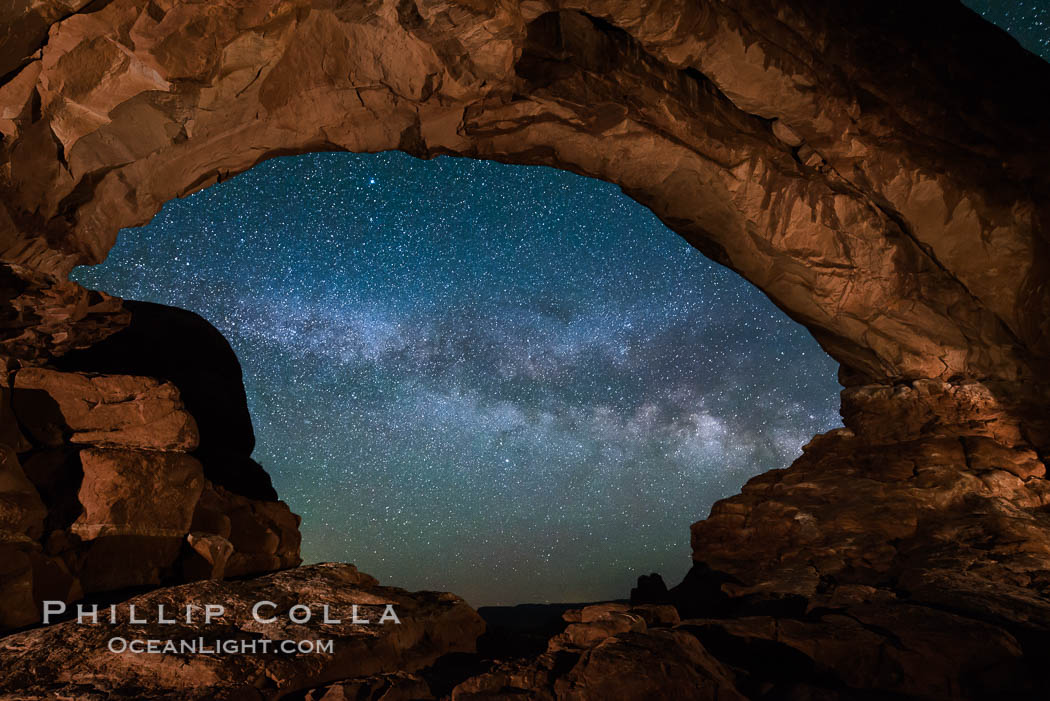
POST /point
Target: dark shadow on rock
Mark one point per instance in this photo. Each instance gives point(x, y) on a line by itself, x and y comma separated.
point(521, 631)
point(183, 348)
point(39, 416)
point(57, 475)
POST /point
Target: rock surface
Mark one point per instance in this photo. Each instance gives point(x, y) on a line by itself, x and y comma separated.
point(99, 492)
point(881, 182)
point(609, 651)
point(184, 349)
point(908, 554)
point(927, 476)
point(102, 410)
point(43, 316)
point(73, 660)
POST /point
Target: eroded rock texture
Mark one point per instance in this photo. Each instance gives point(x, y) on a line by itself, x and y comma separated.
point(908, 553)
point(612, 651)
point(877, 168)
point(881, 182)
point(108, 482)
point(182, 348)
point(72, 660)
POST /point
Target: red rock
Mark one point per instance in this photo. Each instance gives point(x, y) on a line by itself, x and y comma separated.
point(131, 492)
point(741, 127)
point(45, 315)
point(105, 410)
point(157, 343)
point(265, 534)
point(212, 553)
point(71, 659)
point(22, 512)
point(816, 148)
point(636, 664)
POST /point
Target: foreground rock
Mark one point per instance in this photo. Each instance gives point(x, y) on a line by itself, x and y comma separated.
point(905, 555)
point(72, 660)
point(101, 492)
point(611, 651)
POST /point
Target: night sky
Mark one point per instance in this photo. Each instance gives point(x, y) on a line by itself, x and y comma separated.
point(513, 383)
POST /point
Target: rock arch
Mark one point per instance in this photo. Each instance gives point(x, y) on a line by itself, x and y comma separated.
point(902, 231)
point(882, 181)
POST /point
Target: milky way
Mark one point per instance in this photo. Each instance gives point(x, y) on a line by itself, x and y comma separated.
point(512, 383)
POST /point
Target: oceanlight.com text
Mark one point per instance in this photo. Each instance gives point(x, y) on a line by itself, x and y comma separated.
point(201, 646)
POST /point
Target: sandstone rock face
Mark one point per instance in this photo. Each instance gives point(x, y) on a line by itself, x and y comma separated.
point(818, 149)
point(42, 316)
point(609, 652)
point(104, 410)
point(70, 659)
point(184, 349)
point(908, 554)
point(124, 490)
point(105, 496)
point(264, 535)
point(926, 472)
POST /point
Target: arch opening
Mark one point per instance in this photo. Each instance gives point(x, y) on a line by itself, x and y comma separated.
point(509, 382)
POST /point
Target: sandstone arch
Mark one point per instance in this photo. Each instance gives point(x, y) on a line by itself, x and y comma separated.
point(903, 232)
point(878, 169)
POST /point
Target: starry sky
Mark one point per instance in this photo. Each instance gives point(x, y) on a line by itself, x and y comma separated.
point(513, 383)
point(1027, 20)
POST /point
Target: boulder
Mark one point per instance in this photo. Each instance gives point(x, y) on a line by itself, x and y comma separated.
point(609, 654)
point(211, 553)
point(264, 534)
point(133, 492)
point(71, 659)
point(182, 348)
